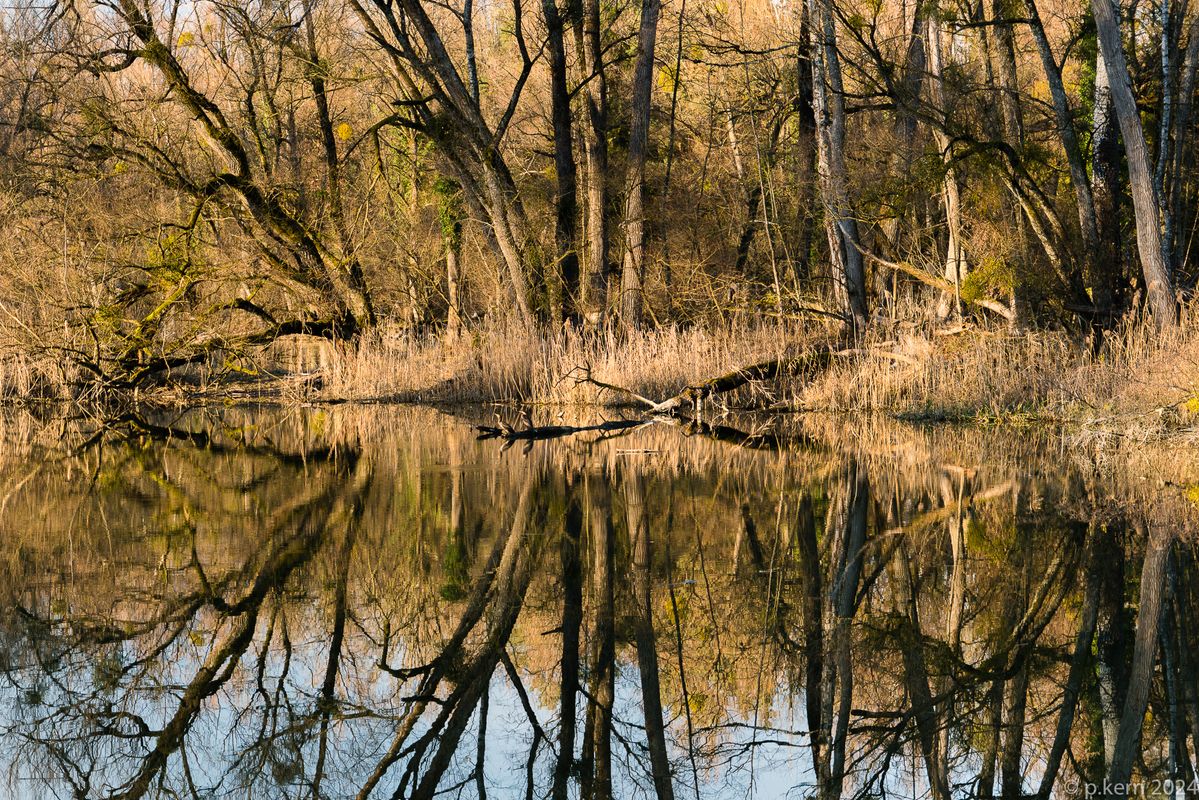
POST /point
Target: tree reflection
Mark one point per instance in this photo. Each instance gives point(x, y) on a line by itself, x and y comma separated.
point(291, 608)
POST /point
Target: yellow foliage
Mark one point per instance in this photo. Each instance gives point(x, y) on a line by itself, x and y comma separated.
point(345, 131)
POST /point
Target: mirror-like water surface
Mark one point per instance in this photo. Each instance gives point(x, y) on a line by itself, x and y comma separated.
point(351, 603)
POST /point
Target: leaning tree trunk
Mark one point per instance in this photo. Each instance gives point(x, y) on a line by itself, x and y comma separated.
point(1087, 224)
point(633, 268)
point(1159, 285)
point(828, 101)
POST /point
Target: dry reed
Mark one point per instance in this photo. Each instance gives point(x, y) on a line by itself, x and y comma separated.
point(1140, 376)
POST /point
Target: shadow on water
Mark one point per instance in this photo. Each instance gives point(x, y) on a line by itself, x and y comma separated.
point(374, 603)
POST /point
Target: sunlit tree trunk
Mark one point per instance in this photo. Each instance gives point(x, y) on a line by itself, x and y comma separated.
point(633, 263)
point(955, 253)
point(828, 101)
point(1157, 272)
point(594, 286)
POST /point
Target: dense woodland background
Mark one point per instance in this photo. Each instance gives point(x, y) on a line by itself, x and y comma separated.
point(181, 182)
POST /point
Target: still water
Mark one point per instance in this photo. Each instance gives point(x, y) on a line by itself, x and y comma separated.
point(373, 602)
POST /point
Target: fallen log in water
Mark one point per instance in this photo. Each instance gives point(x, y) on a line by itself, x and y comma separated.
point(535, 432)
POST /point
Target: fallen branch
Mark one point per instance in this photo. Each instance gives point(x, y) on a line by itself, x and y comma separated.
point(530, 432)
point(694, 394)
point(928, 279)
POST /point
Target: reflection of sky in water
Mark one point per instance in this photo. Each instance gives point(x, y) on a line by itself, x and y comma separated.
point(771, 762)
point(727, 525)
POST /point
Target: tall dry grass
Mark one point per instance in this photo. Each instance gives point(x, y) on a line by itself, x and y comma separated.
point(915, 368)
point(28, 376)
point(504, 363)
point(1140, 376)
point(1142, 382)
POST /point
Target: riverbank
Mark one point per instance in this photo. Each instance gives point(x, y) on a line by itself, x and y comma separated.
point(1141, 385)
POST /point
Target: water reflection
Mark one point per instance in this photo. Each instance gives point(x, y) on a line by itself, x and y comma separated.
point(372, 603)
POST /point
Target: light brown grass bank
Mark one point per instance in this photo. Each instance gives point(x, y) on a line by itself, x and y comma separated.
point(1141, 382)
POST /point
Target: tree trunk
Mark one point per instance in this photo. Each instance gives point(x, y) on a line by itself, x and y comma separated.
point(1107, 265)
point(1002, 66)
point(1087, 225)
point(1157, 271)
point(955, 253)
point(594, 288)
point(633, 265)
point(563, 276)
point(907, 100)
point(449, 213)
point(1184, 135)
point(805, 148)
point(845, 250)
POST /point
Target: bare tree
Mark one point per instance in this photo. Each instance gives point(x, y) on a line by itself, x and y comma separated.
point(1155, 267)
point(632, 276)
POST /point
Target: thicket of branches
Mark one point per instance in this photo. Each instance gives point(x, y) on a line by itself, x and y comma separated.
point(180, 182)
